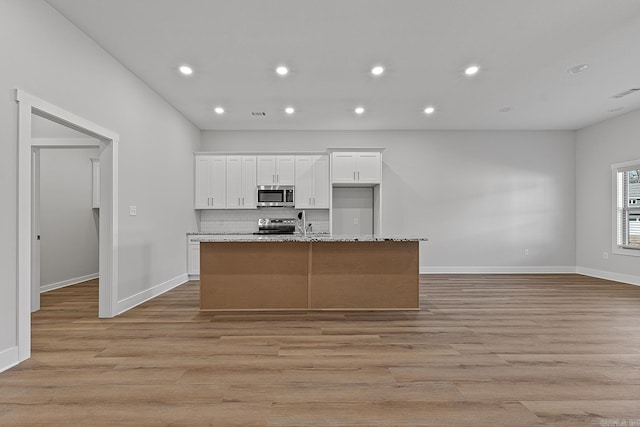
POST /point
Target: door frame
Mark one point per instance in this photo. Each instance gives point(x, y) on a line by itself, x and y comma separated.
point(108, 228)
point(37, 145)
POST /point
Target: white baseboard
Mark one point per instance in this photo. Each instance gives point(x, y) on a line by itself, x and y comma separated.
point(9, 358)
point(146, 295)
point(194, 277)
point(608, 275)
point(499, 270)
point(74, 281)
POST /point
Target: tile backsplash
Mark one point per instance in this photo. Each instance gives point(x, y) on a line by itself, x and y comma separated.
point(246, 220)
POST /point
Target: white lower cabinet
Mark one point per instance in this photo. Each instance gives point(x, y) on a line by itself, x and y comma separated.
point(193, 258)
point(193, 252)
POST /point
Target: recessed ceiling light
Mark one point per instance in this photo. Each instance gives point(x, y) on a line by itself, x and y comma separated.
point(219, 110)
point(472, 70)
point(186, 70)
point(282, 70)
point(359, 110)
point(429, 110)
point(578, 68)
point(289, 110)
point(377, 70)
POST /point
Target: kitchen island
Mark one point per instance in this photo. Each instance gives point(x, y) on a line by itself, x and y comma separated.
point(321, 272)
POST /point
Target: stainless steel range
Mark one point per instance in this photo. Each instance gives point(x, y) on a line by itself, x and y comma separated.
point(276, 226)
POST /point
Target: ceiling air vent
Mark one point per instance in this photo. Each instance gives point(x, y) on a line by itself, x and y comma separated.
point(258, 113)
point(625, 93)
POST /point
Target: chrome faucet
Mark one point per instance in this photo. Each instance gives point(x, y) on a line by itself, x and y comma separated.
point(302, 225)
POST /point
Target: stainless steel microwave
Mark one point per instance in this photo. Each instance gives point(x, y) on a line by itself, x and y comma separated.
point(275, 196)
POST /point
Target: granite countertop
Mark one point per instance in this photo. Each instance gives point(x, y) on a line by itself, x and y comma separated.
point(204, 233)
point(206, 237)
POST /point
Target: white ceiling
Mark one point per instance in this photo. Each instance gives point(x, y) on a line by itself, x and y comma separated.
point(524, 48)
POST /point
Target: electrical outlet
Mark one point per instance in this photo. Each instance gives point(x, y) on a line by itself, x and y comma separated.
point(605, 255)
point(526, 252)
point(133, 211)
point(355, 221)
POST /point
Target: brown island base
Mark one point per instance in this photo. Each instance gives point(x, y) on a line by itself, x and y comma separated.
point(309, 274)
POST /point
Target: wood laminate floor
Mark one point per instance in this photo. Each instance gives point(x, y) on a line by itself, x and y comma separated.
point(490, 350)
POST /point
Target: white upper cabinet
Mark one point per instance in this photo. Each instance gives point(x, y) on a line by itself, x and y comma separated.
point(249, 196)
point(312, 182)
point(241, 182)
point(356, 168)
point(210, 182)
point(275, 170)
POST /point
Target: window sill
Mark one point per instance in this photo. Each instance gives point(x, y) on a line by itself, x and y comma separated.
point(625, 251)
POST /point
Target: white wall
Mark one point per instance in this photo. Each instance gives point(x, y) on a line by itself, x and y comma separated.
point(597, 148)
point(46, 56)
point(480, 197)
point(68, 223)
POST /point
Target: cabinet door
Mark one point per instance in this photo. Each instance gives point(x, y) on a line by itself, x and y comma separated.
point(343, 168)
point(248, 193)
point(285, 170)
point(368, 168)
point(320, 182)
point(304, 182)
point(210, 185)
point(193, 258)
point(203, 179)
point(218, 184)
point(234, 182)
point(266, 170)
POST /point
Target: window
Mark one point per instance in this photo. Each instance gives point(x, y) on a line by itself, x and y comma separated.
point(627, 207)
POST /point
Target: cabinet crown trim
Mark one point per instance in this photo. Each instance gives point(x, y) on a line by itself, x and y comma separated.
point(259, 153)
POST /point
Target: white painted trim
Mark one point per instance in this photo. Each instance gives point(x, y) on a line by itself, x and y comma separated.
point(56, 114)
point(609, 275)
point(194, 277)
point(9, 358)
point(147, 294)
point(259, 153)
point(28, 105)
point(68, 282)
point(65, 143)
point(24, 291)
point(355, 149)
point(615, 249)
point(499, 270)
point(35, 230)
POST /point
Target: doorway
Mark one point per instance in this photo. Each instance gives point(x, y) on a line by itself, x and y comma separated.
point(28, 147)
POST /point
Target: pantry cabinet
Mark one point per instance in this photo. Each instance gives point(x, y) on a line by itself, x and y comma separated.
point(312, 182)
point(275, 170)
point(356, 168)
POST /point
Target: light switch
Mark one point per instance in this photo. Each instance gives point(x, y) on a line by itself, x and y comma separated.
point(132, 211)
point(355, 221)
